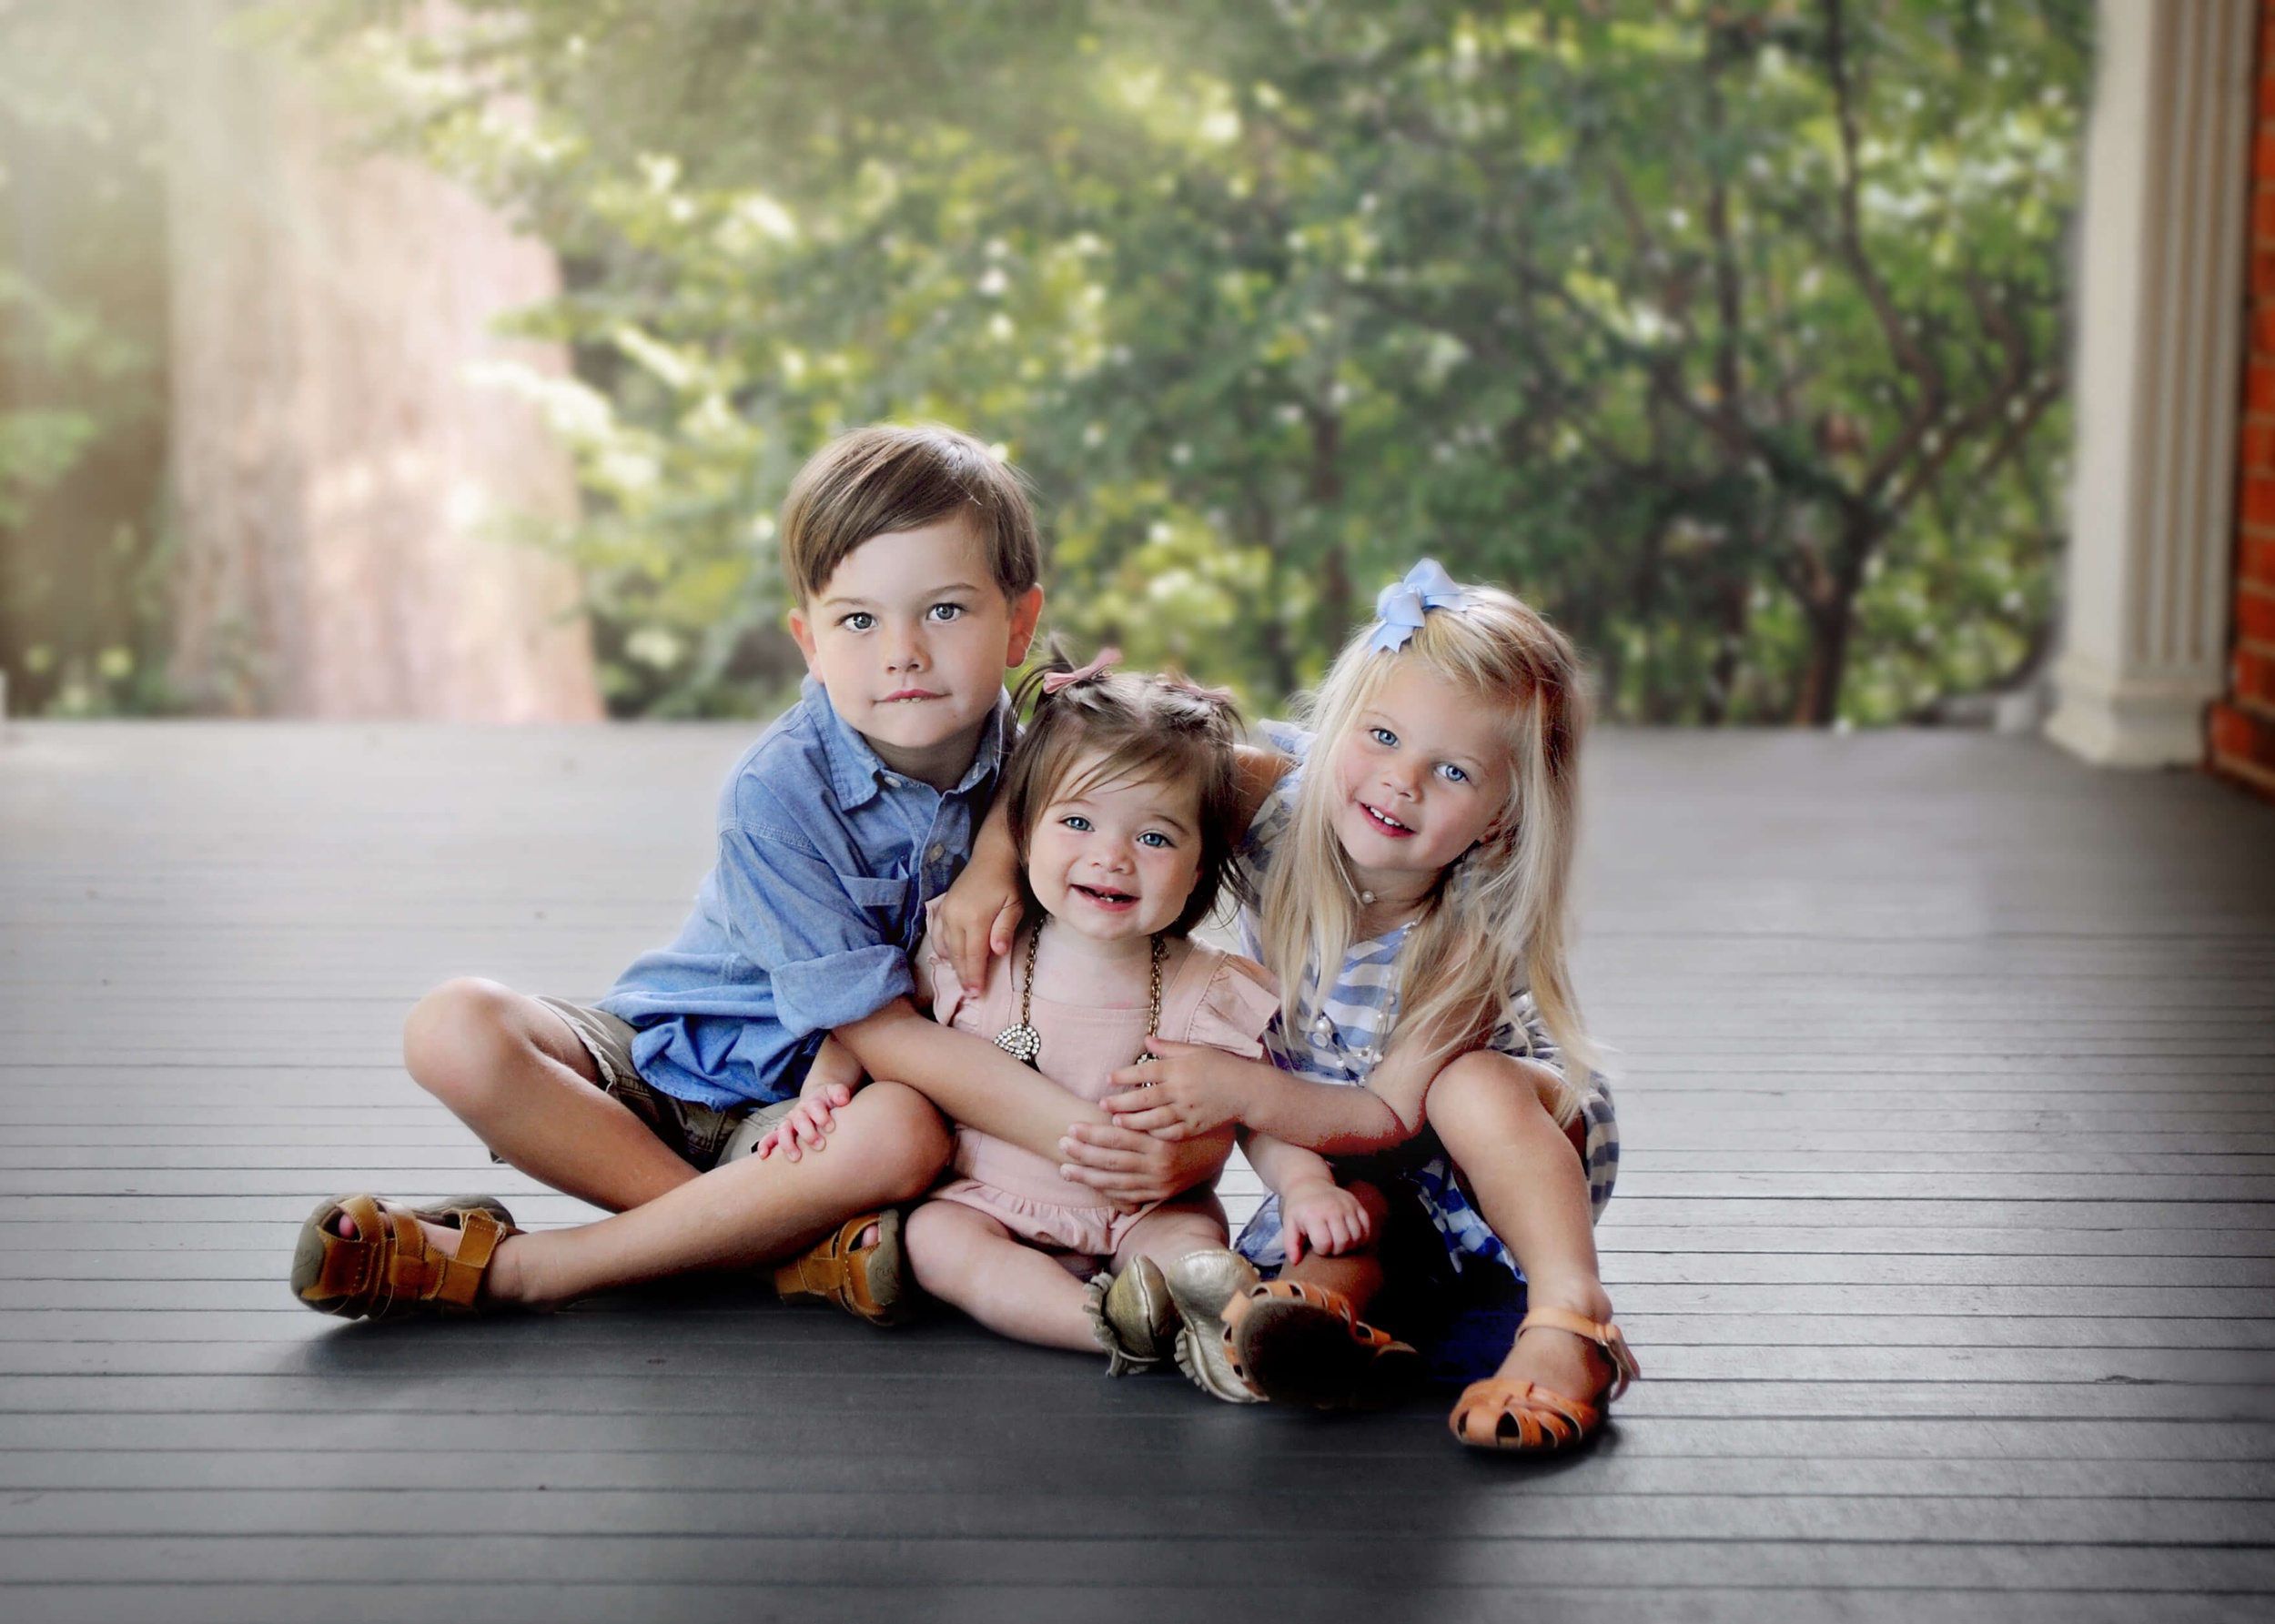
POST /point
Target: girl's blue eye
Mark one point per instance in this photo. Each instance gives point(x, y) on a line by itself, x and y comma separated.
point(1455, 774)
point(1078, 822)
point(1384, 737)
point(1154, 837)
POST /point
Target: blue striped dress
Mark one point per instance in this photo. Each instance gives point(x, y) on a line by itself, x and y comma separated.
point(1337, 1039)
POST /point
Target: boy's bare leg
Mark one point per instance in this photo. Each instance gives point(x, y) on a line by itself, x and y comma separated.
point(1532, 1189)
point(888, 1146)
point(515, 1072)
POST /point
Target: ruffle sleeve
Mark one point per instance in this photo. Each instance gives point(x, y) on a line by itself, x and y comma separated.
point(1278, 809)
point(1238, 1003)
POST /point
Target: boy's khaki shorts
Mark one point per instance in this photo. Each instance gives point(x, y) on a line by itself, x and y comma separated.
point(697, 1134)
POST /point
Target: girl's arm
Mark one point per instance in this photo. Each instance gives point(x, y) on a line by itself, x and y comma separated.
point(974, 1083)
point(1196, 1089)
point(1314, 1210)
point(978, 916)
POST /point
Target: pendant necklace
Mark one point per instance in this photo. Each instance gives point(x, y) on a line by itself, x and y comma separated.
point(1022, 1042)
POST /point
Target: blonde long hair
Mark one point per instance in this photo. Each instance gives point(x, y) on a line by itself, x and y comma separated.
point(1495, 926)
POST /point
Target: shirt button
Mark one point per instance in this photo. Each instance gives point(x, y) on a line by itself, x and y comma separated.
point(895, 781)
point(934, 852)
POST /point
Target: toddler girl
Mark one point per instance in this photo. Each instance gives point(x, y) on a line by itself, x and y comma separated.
point(1119, 803)
point(1411, 858)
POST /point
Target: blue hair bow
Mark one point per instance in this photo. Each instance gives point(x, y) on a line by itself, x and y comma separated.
point(1400, 606)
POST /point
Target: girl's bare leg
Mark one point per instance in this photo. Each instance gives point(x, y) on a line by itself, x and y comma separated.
point(966, 1258)
point(1358, 1275)
point(1194, 1222)
point(1532, 1189)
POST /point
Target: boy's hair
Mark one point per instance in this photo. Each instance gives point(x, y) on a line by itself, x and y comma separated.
point(892, 477)
point(1149, 730)
point(1494, 928)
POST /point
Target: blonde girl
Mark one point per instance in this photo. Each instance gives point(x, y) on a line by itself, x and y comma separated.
point(1412, 857)
point(1120, 803)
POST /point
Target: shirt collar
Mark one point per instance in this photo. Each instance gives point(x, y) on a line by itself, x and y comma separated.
point(855, 770)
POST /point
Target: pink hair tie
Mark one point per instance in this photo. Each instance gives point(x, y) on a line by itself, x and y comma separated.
point(1055, 681)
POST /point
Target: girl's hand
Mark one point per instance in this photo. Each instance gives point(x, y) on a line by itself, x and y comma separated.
point(1326, 1215)
point(1134, 1170)
point(808, 1126)
point(1191, 1090)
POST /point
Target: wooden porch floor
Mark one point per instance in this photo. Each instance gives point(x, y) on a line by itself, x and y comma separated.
point(1945, 1231)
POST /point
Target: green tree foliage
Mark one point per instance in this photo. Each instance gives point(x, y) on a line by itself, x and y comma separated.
point(82, 298)
point(1731, 333)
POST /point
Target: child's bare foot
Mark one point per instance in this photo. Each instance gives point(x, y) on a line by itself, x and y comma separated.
point(1558, 1360)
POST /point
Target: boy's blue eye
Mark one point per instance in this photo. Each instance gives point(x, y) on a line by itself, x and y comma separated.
point(859, 620)
point(946, 612)
point(1384, 737)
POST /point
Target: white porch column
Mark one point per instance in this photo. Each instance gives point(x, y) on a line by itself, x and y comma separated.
point(2160, 374)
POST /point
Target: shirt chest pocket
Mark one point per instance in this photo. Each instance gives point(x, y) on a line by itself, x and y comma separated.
point(866, 893)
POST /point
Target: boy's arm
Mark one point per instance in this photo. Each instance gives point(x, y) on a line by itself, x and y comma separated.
point(977, 1084)
point(978, 915)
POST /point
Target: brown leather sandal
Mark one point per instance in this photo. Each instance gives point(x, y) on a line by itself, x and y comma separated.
point(1500, 1413)
point(1303, 1344)
point(390, 1269)
point(867, 1281)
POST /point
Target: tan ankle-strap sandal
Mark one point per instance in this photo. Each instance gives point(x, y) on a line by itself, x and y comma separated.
point(1503, 1413)
point(1304, 1344)
point(867, 1281)
point(389, 1268)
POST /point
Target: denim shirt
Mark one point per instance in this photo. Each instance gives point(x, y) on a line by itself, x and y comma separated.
point(826, 859)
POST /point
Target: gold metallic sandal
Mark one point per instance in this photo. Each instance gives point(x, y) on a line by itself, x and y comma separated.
point(1133, 1317)
point(1200, 1283)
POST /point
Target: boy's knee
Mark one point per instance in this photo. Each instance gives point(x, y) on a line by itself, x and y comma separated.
point(902, 1143)
point(456, 1036)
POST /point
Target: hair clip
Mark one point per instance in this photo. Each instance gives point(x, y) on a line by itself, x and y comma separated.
point(1400, 606)
point(1185, 684)
point(1055, 681)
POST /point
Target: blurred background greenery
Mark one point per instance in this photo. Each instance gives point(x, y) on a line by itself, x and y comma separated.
point(1731, 334)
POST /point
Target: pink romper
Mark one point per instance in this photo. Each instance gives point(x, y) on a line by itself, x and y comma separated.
point(1210, 996)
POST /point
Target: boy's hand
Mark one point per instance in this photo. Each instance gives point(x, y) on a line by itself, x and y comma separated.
point(1192, 1089)
point(808, 1126)
point(1324, 1215)
point(975, 921)
point(977, 916)
point(1133, 1170)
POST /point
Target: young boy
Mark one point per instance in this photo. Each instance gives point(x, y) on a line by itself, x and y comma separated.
point(913, 558)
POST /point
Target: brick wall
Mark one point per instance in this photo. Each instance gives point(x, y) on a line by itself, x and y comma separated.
point(2243, 724)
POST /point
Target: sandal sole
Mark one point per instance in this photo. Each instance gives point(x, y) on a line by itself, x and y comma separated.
point(1299, 1353)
